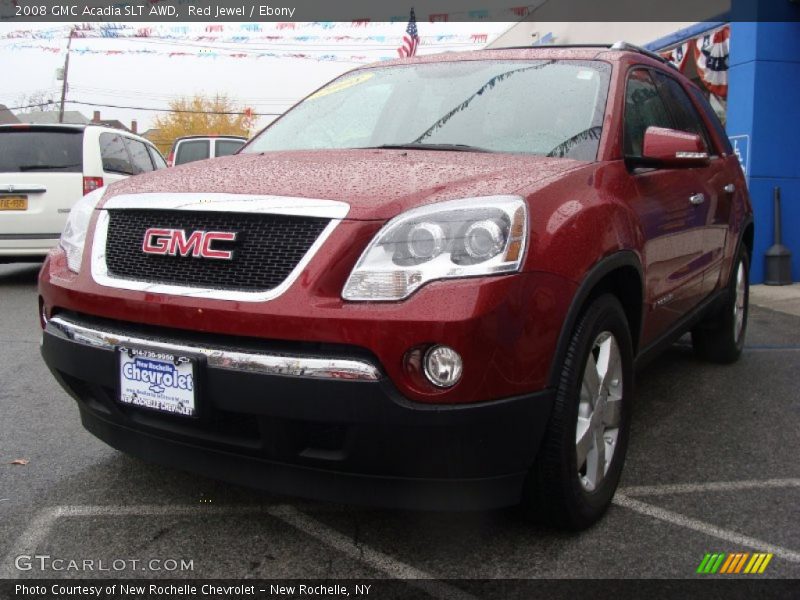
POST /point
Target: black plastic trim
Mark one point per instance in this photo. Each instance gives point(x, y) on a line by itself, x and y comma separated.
point(29, 236)
point(623, 258)
point(682, 326)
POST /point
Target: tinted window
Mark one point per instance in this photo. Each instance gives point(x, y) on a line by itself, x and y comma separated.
point(712, 117)
point(115, 156)
point(191, 150)
point(140, 157)
point(158, 160)
point(546, 107)
point(643, 108)
point(41, 151)
point(227, 147)
point(683, 111)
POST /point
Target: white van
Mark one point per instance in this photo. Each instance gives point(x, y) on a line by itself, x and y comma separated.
point(45, 169)
point(200, 147)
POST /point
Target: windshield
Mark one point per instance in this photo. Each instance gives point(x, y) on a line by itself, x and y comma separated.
point(550, 108)
point(41, 151)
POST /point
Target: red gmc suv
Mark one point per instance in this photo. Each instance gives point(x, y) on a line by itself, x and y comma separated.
point(427, 285)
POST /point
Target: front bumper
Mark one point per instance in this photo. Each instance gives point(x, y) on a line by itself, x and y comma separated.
point(26, 246)
point(327, 433)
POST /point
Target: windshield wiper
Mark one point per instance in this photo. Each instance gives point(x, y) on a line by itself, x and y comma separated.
point(38, 167)
point(421, 146)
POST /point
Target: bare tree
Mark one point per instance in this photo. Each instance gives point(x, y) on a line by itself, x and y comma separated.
point(44, 100)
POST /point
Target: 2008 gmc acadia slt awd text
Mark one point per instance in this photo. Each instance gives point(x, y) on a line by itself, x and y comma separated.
point(427, 285)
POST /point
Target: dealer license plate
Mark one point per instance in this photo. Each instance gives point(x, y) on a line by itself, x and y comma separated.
point(13, 203)
point(157, 380)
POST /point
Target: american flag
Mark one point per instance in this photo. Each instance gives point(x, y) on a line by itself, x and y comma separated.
point(410, 39)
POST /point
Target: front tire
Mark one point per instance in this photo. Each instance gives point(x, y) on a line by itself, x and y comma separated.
point(580, 462)
point(720, 339)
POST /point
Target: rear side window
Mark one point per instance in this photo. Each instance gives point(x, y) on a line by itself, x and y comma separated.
point(643, 108)
point(115, 155)
point(41, 151)
point(158, 160)
point(683, 111)
point(227, 147)
point(140, 157)
point(713, 119)
point(192, 150)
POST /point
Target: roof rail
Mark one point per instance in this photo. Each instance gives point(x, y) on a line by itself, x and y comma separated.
point(623, 45)
point(620, 45)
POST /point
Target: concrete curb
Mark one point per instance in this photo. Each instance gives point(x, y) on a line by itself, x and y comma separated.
point(782, 298)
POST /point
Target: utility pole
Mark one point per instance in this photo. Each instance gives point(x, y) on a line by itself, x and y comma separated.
point(64, 82)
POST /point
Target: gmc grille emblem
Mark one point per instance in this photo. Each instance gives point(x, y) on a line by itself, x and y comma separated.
point(175, 242)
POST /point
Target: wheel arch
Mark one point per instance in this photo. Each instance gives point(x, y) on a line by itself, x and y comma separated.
point(748, 237)
point(620, 274)
point(745, 239)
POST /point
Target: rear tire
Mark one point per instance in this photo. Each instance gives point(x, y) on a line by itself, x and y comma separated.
point(579, 465)
point(720, 338)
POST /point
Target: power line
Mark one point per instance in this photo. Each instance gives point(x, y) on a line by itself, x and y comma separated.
point(193, 112)
point(129, 94)
point(48, 103)
point(154, 94)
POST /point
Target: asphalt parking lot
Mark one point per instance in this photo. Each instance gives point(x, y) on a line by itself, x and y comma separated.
point(712, 467)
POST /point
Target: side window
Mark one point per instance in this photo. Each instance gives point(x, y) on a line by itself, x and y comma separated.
point(140, 157)
point(115, 156)
point(192, 150)
point(683, 111)
point(158, 160)
point(227, 147)
point(712, 118)
point(643, 108)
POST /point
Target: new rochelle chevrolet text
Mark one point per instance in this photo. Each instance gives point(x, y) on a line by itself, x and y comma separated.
point(427, 285)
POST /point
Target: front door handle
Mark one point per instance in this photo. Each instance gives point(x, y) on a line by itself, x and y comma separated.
point(697, 199)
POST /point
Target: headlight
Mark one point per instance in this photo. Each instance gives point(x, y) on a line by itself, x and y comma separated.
point(458, 238)
point(74, 236)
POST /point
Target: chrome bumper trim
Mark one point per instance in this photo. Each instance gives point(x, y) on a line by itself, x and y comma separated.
point(249, 362)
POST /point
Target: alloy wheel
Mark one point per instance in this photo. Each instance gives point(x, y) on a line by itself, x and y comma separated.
point(739, 303)
point(599, 411)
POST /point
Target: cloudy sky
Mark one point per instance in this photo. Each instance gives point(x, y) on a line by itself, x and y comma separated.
point(249, 62)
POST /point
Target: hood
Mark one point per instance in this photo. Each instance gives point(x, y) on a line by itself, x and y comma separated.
point(377, 184)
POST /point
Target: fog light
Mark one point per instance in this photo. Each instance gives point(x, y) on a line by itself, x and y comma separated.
point(443, 366)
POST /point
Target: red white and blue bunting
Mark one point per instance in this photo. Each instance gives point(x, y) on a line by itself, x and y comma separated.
point(709, 52)
point(678, 56)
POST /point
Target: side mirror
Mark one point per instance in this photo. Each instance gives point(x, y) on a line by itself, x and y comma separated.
point(670, 148)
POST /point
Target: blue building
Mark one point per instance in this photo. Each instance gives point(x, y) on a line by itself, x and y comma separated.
point(760, 105)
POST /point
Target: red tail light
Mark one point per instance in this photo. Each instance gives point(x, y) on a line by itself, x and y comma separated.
point(170, 158)
point(90, 184)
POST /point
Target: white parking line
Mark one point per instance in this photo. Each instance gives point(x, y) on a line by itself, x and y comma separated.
point(374, 558)
point(29, 539)
point(775, 349)
point(669, 516)
point(43, 523)
point(45, 520)
point(711, 486)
